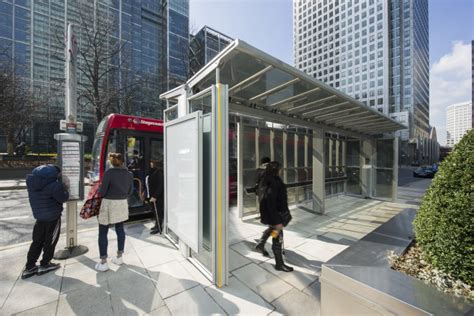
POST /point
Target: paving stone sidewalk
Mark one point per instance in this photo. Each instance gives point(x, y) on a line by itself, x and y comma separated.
point(157, 280)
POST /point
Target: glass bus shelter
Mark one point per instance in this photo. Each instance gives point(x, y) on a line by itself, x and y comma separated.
point(245, 105)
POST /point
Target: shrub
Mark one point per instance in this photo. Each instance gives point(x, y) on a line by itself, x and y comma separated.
point(444, 225)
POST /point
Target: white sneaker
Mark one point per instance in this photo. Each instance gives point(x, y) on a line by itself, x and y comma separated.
point(102, 267)
point(117, 260)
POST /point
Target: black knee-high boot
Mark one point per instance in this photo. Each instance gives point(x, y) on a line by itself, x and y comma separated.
point(277, 247)
point(261, 243)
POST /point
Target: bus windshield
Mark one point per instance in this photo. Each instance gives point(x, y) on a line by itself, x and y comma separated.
point(96, 149)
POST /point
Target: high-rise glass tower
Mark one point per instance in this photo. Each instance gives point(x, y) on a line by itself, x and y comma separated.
point(205, 45)
point(374, 50)
point(153, 34)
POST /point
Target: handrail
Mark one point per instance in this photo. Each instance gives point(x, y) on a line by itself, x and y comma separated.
point(289, 185)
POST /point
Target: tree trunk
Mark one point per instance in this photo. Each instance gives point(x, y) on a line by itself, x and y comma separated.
point(10, 143)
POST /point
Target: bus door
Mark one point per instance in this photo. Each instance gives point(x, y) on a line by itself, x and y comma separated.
point(136, 164)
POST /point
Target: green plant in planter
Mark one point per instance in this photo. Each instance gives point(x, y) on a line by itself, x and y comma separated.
point(444, 225)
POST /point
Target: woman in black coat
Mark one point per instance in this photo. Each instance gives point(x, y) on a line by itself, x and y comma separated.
point(273, 203)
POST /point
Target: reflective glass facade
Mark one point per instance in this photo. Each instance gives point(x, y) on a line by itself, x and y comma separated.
point(377, 51)
point(204, 46)
point(153, 34)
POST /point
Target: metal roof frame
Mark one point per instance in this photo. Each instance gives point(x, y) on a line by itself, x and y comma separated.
point(300, 106)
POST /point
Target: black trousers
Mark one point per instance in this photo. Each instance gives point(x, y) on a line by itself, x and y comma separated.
point(45, 238)
point(158, 211)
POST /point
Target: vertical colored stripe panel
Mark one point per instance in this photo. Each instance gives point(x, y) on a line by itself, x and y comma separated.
point(219, 186)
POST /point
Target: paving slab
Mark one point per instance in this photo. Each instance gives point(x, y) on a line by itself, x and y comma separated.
point(246, 248)
point(296, 302)
point(162, 311)
point(11, 268)
point(236, 299)
point(236, 260)
point(43, 310)
point(262, 282)
point(88, 300)
point(171, 278)
point(82, 275)
point(305, 271)
point(320, 250)
point(154, 255)
point(195, 301)
point(33, 292)
point(132, 288)
point(196, 275)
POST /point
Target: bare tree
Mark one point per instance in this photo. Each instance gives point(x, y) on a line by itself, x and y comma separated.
point(104, 62)
point(17, 103)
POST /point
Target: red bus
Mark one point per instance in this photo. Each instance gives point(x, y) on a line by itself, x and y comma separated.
point(139, 140)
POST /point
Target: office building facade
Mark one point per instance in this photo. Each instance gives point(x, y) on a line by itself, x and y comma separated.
point(153, 36)
point(375, 51)
point(458, 122)
point(205, 45)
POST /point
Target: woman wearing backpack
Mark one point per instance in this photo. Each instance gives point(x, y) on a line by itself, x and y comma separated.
point(273, 203)
point(115, 189)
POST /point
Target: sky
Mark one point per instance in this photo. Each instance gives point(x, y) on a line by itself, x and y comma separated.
point(268, 25)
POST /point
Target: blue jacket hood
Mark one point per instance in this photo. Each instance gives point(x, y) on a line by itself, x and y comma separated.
point(42, 176)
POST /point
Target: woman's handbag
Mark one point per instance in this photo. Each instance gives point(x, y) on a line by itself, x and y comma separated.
point(91, 207)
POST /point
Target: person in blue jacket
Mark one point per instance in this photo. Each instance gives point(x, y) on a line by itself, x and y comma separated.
point(46, 194)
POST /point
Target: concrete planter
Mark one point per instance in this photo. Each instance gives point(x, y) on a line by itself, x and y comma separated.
point(359, 281)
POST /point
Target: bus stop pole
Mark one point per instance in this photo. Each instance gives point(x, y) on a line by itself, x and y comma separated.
point(71, 152)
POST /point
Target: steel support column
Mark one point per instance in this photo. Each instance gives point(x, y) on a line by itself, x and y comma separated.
point(319, 190)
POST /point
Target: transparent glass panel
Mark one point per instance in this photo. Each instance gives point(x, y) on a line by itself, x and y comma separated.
point(384, 149)
point(301, 175)
point(249, 148)
point(310, 151)
point(326, 158)
point(300, 150)
point(135, 152)
point(353, 153)
point(334, 162)
point(383, 183)
point(290, 175)
point(353, 180)
point(250, 200)
point(278, 146)
point(205, 248)
point(292, 195)
point(290, 150)
point(264, 143)
point(203, 104)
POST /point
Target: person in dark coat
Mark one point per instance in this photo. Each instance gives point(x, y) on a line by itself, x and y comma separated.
point(259, 173)
point(156, 193)
point(274, 212)
point(46, 194)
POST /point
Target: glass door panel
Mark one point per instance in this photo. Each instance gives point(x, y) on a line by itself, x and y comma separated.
point(384, 168)
point(135, 162)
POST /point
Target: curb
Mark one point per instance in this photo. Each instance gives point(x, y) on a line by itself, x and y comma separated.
point(13, 188)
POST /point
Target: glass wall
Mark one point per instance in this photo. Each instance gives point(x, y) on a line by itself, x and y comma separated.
point(353, 166)
point(250, 165)
point(384, 168)
point(334, 146)
point(293, 149)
